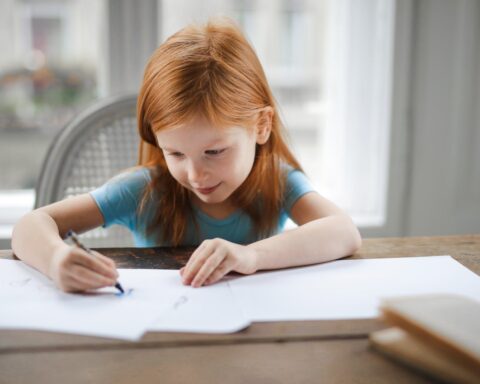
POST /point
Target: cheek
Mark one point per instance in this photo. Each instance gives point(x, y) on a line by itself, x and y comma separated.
point(175, 169)
point(242, 163)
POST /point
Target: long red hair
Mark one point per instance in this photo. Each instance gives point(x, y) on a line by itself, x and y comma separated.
point(214, 71)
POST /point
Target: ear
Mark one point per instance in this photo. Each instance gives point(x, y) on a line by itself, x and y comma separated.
point(263, 127)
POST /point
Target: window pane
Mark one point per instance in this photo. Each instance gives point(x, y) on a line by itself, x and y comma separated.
point(48, 72)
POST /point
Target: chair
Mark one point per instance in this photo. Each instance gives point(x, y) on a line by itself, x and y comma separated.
point(96, 145)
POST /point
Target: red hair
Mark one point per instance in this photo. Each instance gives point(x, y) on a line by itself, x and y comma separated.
point(210, 70)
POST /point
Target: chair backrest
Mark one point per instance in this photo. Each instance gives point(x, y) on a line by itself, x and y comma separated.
point(98, 144)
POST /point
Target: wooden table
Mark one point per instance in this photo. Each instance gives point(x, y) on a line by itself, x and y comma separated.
point(277, 352)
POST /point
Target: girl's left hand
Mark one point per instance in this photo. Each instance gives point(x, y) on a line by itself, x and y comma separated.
point(214, 258)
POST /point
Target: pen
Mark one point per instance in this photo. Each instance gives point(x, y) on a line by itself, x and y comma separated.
point(72, 235)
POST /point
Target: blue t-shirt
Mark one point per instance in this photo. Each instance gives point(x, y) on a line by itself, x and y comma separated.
point(119, 198)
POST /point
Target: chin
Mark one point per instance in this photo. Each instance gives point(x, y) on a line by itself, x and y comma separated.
point(214, 198)
point(211, 199)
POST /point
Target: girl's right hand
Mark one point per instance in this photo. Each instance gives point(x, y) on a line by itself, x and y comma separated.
point(75, 270)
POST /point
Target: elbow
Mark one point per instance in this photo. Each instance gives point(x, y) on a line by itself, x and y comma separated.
point(356, 240)
point(18, 230)
point(353, 239)
point(15, 235)
point(22, 230)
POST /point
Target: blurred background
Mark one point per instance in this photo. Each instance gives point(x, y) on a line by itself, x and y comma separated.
point(381, 98)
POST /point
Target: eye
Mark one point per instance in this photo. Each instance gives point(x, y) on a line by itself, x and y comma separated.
point(215, 152)
point(176, 154)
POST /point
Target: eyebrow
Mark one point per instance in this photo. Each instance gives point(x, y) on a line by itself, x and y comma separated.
point(212, 144)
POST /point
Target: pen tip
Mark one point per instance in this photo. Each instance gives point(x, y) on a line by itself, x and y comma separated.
point(119, 287)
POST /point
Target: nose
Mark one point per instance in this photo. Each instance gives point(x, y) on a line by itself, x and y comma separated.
point(196, 173)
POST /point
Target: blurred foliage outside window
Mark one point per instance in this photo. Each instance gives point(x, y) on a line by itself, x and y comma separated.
point(48, 73)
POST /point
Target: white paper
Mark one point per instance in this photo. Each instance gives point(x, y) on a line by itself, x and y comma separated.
point(347, 289)
point(157, 300)
point(211, 309)
point(29, 300)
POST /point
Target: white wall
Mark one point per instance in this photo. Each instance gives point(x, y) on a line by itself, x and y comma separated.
point(443, 145)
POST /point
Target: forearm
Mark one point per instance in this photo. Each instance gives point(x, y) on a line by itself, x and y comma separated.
point(318, 241)
point(34, 240)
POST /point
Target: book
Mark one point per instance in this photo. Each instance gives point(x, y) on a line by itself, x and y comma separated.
point(438, 334)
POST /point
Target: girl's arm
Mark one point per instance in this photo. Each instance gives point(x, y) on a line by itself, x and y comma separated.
point(325, 233)
point(37, 240)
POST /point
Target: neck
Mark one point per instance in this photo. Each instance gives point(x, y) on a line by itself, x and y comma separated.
point(216, 210)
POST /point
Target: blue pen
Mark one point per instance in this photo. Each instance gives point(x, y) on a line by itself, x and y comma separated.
point(72, 235)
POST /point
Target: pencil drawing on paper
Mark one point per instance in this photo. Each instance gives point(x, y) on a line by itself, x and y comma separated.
point(123, 294)
point(20, 283)
point(31, 283)
point(181, 300)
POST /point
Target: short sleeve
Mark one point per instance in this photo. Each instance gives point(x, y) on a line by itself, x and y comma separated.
point(118, 199)
point(297, 185)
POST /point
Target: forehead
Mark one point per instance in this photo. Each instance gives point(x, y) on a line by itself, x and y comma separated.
point(199, 132)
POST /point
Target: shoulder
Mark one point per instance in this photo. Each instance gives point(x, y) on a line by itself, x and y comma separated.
point(132, 180)
point(128, 184)
point(294, 177)
point(297, 184)
point(120, 196)
point(134, 176)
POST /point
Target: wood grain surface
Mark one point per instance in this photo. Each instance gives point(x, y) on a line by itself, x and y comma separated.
point(276, 352)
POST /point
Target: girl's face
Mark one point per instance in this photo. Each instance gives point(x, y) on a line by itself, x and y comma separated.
point(211, 162)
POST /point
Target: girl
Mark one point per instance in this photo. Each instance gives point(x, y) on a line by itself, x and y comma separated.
point(214, 171)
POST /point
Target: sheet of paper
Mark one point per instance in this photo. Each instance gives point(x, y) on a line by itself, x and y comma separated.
point(347, 289)
point(211, 309)
point(29, 300)
point(157, 300)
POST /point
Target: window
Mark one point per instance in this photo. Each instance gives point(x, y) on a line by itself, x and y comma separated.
point(328, 62)
point(355, 150)
point(48, 72)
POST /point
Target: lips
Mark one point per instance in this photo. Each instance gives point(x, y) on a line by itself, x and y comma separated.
point(206, 191)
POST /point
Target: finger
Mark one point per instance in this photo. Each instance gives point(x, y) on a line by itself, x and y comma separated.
point(73, 286)
point(93, 263)
point(87, 279)
point(109, 263)
point(195, 254)
point(218, 274)
point(181, 274)
point(196, 261)
point(69, 286)
point(208, 267)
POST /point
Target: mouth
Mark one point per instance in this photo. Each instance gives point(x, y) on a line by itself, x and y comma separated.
point(207, 191)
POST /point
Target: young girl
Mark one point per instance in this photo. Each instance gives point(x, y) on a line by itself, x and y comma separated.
point(214, 171)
